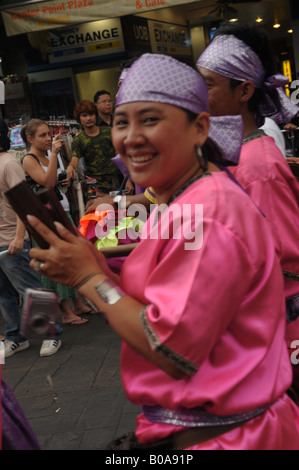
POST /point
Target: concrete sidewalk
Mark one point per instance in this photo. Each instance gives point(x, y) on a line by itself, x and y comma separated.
point(74, 399)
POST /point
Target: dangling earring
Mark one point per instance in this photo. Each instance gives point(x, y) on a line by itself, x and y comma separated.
point(202, 160)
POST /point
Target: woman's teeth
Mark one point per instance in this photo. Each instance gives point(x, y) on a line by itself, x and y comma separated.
point(142, 158)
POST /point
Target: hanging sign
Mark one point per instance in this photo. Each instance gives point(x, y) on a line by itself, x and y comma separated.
point(54, 14)
point(94, 39)
point(136, 34)
point(171, 39)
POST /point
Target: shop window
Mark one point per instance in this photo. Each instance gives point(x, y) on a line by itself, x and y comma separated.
point(54, 99)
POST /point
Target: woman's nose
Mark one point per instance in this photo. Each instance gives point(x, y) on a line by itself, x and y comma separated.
point(134, 136)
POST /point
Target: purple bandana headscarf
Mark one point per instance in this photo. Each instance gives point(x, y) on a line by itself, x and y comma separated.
point(123, 73)
point(163, 79)
point(232, 58)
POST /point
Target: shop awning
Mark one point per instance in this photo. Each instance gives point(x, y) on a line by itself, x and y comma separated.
point(23, 17)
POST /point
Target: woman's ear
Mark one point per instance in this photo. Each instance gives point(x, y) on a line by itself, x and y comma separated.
point(29, 139)
point(202, 125)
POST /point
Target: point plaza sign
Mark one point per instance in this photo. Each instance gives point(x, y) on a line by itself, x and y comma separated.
point(53, 14)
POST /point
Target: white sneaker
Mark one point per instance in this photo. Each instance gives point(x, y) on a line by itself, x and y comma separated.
point(50, 347)
point(12, 347)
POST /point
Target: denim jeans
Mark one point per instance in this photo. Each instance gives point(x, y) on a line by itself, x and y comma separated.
point(15, 277)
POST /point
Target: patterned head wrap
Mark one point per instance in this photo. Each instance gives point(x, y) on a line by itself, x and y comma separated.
point(232, 58)
point(123, 73)
point(163, 79)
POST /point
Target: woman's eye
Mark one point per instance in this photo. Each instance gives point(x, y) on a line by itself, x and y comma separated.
point(150, 119)
point(120, 123)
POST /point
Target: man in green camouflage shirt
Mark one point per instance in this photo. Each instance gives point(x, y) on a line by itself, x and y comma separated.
point(94, 145)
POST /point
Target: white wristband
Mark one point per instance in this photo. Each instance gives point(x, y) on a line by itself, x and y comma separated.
point(109, 291)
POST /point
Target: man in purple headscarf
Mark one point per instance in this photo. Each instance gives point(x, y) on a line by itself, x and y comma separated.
point(238, 68)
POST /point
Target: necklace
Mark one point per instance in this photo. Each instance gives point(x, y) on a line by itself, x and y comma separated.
point(186, 185)
point(179, 191)
point(257, 134)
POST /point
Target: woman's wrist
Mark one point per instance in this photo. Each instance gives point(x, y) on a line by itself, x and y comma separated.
point(86, 279)
point(101, 290)
point(87, 286)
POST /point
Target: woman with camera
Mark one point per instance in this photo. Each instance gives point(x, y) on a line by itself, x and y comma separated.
point(42, 171)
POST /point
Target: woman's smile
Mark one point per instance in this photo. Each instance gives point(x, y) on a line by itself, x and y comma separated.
point(142, 158)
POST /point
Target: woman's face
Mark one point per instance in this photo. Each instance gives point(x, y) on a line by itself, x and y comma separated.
point(158, 142)
point(41, 140)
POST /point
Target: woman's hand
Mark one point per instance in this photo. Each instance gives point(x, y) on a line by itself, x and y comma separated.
point(69, 260)
point(57, 143)
point(65, 183)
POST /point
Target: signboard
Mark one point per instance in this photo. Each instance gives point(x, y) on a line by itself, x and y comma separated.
point(63, 47)
point(54, 14)
point(167, 38)
point(86, 41)
point(136, 34)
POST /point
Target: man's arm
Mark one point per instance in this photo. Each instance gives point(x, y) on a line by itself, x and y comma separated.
point(71, 168)
point(17, 243)
point(76, 155)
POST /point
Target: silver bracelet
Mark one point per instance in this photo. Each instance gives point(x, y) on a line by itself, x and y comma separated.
point(109, 291)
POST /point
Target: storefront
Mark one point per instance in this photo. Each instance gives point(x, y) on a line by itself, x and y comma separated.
point(68, 63)
point(68, 50)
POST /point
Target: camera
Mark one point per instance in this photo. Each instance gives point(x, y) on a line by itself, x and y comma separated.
point(40, 312)
point(62, 176)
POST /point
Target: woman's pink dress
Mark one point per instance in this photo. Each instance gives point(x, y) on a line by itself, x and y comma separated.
point(218, 311)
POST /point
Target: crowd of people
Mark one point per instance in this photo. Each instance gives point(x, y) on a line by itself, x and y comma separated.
point(207, 303)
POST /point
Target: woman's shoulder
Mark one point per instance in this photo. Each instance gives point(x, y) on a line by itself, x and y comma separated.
point(215, 181)
point(220, 194)
point(32, 155)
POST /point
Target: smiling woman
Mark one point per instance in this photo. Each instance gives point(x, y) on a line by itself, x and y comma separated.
point(143, 136)
point(193, 354)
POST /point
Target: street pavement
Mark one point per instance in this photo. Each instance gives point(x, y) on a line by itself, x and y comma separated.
point(73, 400)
